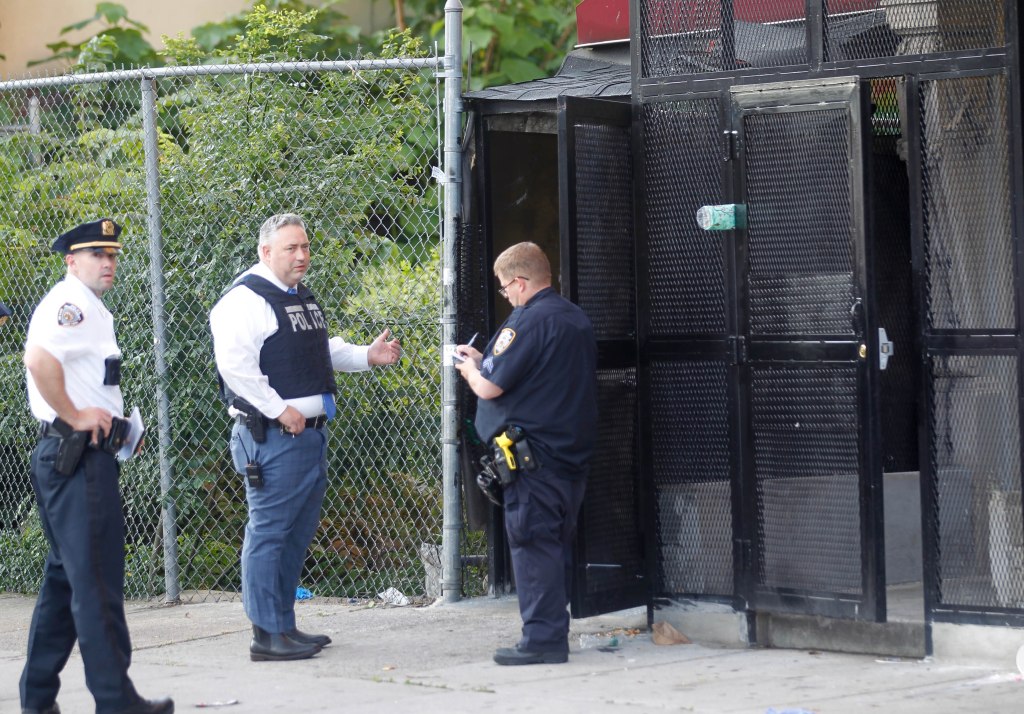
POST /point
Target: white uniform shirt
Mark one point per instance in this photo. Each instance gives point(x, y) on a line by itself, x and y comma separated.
point(73, 325)
point(241, 322)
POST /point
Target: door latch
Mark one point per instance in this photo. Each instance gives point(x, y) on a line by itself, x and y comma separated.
point(885, 348)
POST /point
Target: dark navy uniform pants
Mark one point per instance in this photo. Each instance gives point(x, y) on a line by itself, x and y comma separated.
point(284, 514)
point(541, 509)
point(82, 595)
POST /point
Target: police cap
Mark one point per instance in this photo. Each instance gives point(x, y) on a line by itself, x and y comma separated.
point(5, 312)
point(98, 235)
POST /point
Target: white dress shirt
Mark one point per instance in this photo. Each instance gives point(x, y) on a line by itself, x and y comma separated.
point(241, 322)
point(73, 325)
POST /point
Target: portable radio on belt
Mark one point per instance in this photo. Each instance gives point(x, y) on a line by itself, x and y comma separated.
point(254, 474)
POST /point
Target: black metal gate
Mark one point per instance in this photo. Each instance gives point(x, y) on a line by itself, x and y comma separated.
point(811, 475)
point(757, 350)
point(770, 333)
point(596, 184)
point(965, 159)
point(686, 343)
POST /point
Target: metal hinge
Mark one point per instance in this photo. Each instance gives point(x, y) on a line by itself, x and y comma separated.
point(730, 144)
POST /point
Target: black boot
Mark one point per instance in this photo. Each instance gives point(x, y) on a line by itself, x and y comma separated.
point(52, 709)
point(306, 638)
point(268, 646)
point(150, 706)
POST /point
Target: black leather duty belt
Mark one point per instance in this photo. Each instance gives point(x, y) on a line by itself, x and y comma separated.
point(46, 429)
point(318, 422)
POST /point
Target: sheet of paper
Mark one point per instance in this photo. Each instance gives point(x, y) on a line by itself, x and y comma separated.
point(135, 432)
point(451, 356)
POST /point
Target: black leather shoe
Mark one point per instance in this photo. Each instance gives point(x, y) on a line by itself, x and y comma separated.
point(304, 638)
point(52, 709)
point(514, 655)
point(273, 647)
point(150, 706)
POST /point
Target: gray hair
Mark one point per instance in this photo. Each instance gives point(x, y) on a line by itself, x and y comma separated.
point(273, 224)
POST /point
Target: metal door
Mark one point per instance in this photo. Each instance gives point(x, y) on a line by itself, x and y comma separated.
point(686, 344)
point(596, 184)
point(807, 351)
point(965, 173)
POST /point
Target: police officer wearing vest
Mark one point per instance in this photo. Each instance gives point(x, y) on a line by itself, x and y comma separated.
point(73, 373)
point(277, 364)
point(536, 381)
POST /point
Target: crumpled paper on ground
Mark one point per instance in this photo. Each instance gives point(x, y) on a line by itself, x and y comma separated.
point(662, 633)
point(393, 596)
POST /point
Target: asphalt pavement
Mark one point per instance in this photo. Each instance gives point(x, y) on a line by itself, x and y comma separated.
point(437, 658)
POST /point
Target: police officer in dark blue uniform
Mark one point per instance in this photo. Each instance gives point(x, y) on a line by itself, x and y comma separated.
point(537, 384)
point(73, 375)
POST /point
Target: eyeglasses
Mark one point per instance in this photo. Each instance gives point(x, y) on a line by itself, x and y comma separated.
point(503, 290)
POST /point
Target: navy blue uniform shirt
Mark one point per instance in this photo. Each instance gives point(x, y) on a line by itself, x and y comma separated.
point(544, 358)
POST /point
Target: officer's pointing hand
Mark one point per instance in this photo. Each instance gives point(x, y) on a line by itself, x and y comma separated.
point(384, 351)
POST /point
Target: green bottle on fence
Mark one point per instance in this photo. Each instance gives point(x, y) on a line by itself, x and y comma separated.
point(725, 217)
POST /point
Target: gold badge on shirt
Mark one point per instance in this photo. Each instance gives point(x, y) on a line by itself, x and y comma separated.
point(504, 340)
point(69, 315)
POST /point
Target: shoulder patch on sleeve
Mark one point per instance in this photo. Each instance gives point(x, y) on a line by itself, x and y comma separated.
point(504, 340)
point(69, 315)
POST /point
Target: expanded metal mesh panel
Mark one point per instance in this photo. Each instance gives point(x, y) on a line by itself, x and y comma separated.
point(693, 36)
point(685, 265)
point(800, 241)
point(604, 224)
point(965, 169)
point(679, 37)
point(350, 150)
point(612, 547)
point(691, 467)
point(472, 282)
point(806, 470)
point(865, 28)
point(886, 28)
point(976, 480)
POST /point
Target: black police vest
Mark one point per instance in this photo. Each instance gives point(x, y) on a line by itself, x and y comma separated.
point(296, 359)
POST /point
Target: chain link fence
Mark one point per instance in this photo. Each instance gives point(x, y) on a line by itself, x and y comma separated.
point(191, 160)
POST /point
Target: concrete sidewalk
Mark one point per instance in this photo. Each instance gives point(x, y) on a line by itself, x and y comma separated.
point(438, 659)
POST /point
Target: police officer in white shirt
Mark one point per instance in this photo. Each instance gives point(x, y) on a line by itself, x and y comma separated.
point(276, 362)
point(73, 372)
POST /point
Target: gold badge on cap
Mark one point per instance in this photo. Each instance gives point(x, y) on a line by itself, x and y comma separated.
point(107, 228)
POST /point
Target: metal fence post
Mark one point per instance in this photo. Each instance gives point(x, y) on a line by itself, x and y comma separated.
point(451, 566)
point(156, 272)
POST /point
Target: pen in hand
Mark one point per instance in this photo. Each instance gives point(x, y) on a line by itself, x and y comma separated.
point(459, 356)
